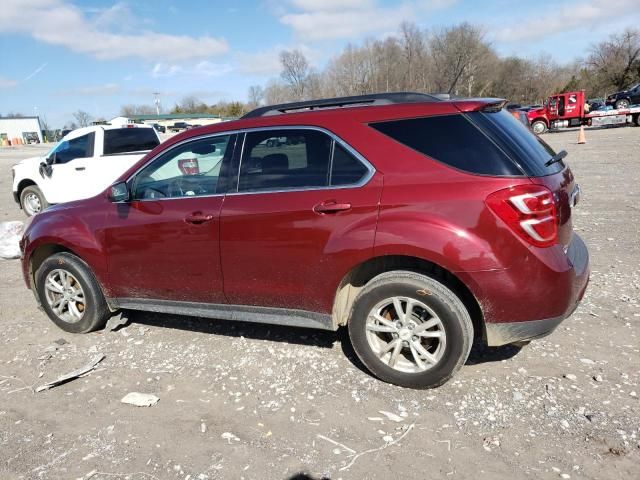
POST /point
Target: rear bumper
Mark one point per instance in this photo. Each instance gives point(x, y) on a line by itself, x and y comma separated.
point(16, 198)
point(530, 299)
point(510, 332)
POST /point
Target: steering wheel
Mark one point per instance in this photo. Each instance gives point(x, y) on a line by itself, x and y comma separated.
point(150, 192)
point(186, 186)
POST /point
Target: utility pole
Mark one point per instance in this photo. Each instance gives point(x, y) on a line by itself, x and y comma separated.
point(157, 102)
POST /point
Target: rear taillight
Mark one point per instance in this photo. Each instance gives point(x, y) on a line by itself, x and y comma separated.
point(189, 166)
point(529, 210)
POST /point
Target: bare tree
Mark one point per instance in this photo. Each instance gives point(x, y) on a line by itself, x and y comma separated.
point(131, 110)
point(276, 92)
point(616, 61)
point(295, 70)
point(458, 53)
point(255, 96)
point(83, 119)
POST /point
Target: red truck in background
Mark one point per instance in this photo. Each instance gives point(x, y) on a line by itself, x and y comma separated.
point(563, 110)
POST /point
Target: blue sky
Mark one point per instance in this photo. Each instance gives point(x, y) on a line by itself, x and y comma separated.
point(59, 56)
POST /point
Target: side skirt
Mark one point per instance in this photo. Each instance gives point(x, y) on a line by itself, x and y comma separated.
point(244, 313)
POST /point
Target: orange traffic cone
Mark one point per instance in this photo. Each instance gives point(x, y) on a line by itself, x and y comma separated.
point(581, 137)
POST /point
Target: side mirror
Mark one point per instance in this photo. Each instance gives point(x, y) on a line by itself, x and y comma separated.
point(51, 159)
point(45, 169)
point(119, 192)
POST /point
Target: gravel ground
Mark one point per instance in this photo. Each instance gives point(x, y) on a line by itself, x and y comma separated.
point(255, 401)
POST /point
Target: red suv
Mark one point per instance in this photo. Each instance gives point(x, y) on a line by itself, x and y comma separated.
point(420, 224)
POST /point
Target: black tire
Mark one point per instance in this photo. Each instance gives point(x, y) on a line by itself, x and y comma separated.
point(539, 127)
point(29, 207)
point(449, 308)
point(622, 103)
point(95, 311)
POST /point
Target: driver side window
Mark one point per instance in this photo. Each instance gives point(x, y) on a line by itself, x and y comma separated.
point(192, 169)
point(81, 147)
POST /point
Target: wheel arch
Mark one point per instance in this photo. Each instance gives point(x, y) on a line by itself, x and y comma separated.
point(362, 273)
point(45, 250)
point(27, 182)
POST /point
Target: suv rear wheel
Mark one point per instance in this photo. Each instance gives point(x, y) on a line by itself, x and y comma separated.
point(410, 329)
point(70, 294)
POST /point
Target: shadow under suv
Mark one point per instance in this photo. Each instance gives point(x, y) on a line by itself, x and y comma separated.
point(419, 224)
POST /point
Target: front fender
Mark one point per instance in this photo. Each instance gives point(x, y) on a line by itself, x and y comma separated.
point(73, 233)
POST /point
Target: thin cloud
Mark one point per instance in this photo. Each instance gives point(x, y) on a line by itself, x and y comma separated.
point(204, 68)
point(568, 18)
point(7, 82)
point(36, 71)
point(345, 19)
point(60, 23)
point(92, 90)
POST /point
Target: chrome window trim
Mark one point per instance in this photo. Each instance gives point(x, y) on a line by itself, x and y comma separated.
point(242, 131)
point(173, 147)
point(363, 181)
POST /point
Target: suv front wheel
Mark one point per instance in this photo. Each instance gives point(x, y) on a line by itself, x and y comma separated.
point(70, 294)
point(410, 329)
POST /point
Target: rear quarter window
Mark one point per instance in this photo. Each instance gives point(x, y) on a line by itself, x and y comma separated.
point(526, 149)
point(453, 140)
point(125, 140)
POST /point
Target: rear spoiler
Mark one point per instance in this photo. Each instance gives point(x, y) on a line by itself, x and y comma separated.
point(480, 104)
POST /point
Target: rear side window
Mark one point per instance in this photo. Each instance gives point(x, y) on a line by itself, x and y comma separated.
point(124, 140)
point(285, 159)
point(453, 140)
point(345, 168)
point(529, 151)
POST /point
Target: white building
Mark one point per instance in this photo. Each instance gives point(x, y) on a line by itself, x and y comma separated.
point(23, 128)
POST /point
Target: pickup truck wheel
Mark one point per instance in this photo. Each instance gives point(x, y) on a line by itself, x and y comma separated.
point(539, 127)
point(32, 200)
point(70, 294)
point(622, 103)
point(410, 330)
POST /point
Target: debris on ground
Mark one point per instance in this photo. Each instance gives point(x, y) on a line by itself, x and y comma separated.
point(140, 399)
point(117, 321)
point(72, 375)
point(392, 416)
point(10, 234)
point(228, 436)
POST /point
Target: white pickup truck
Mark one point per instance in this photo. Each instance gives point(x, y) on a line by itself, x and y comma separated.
point(81, 165)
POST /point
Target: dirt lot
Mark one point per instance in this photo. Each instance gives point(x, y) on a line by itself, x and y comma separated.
point(254, 401)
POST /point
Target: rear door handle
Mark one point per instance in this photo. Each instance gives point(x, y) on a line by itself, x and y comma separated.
point(198, 218)
point(80, 168)
point(331, 207)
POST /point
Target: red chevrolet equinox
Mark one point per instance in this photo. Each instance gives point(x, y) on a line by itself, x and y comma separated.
point(419, 224)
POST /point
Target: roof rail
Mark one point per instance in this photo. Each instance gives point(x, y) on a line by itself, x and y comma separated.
point(354, 101)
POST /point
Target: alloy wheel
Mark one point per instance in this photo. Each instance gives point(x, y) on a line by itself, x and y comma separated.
point(65, 296)
point(406, 334)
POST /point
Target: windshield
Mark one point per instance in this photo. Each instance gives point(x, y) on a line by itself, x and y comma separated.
point(57, 147)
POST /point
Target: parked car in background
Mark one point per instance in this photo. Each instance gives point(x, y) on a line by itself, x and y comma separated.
point(355, 217)
point(159, 128)
point(520, 114)
point(625, 98)
point(81, 165)
point(595, 103)
point(179, 126)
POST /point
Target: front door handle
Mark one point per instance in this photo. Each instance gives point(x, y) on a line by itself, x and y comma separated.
point(80, 168)
point(331, 207)
point(198, 218)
